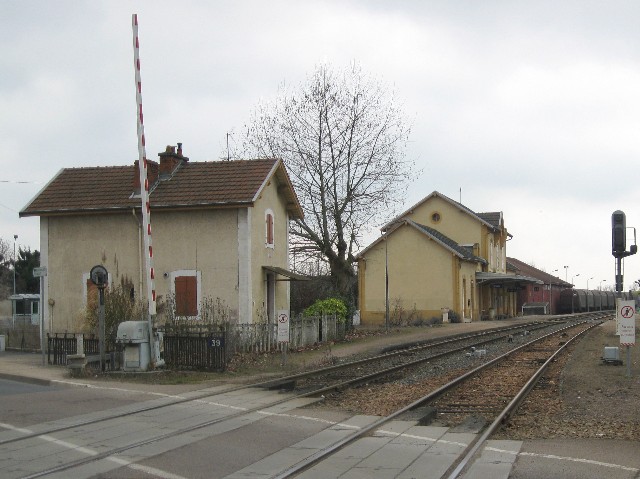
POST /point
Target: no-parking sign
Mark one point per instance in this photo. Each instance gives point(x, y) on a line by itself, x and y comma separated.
point(626, 319)
point(283, 326)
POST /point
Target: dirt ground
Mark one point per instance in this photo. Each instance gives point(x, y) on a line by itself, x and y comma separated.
point(582, 396)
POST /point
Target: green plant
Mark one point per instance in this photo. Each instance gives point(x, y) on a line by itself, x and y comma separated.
point(327, 306)
point(119, 306)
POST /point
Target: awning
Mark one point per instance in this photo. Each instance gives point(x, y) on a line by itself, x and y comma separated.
point(285, 272)
point(503, 278)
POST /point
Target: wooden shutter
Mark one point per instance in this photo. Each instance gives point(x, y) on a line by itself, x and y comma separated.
point(92, 293)
point(186, 296)
point(269, 229)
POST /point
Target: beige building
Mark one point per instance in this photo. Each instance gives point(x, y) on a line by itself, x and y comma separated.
point(219, 231)
point(438, 255)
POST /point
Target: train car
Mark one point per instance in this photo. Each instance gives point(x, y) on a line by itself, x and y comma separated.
point(611, 300)
point(572, 301)
point(590, 300)
point(600, 300)
point(581, 300)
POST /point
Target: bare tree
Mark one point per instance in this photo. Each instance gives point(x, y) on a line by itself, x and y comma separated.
point(6, 268)
point(342, 137)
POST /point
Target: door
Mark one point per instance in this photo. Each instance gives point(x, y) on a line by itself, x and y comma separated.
point(271, 297)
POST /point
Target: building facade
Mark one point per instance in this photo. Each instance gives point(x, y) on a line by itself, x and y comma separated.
point(438, 256)
point(220, 233)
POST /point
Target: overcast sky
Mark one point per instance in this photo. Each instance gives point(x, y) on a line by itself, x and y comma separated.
point(530, 108)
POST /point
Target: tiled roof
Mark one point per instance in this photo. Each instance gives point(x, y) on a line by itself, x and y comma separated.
point(462, 251)
point(528, 270)
point(492, 218)
point(194, 184)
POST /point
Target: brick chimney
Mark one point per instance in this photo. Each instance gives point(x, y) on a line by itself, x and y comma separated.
point(152, 175)
point(170, 161)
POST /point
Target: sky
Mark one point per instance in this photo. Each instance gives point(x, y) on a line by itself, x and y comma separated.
point(529, 108)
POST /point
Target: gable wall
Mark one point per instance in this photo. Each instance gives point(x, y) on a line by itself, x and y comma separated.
point(262, 255)
point(454, 223)
point(421, 277)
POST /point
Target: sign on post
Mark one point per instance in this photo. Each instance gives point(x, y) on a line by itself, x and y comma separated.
point(283, 326)
point(626, 323)
point(626, 316)
point(39, 272)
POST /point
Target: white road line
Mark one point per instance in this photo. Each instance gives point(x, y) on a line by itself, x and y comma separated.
point(565, 458)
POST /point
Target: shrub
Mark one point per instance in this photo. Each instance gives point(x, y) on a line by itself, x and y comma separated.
point(327, 306)
point(119, 306)
point(454, 317)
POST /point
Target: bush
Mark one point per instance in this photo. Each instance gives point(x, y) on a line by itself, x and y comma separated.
point(119, 306)
point(454, 317)
point(327, 306)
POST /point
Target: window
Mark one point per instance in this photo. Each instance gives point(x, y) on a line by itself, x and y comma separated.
point(269, 236)
point(435, 217)
point(185, 288)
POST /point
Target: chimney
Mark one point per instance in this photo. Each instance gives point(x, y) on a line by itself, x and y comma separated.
point(152, 175)
point(170, 161)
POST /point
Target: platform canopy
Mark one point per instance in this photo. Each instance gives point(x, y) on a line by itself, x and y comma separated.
point(503, 278)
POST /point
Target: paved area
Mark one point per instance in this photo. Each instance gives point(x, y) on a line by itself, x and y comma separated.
point(426, 449)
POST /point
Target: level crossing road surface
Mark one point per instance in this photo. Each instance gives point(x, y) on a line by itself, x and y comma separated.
point(36, 397)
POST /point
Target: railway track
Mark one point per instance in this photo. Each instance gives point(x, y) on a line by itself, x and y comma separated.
point(75, 445)
point(493, 391)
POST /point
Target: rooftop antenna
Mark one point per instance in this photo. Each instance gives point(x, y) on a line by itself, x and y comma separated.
point(461, 195)
point(144, 188)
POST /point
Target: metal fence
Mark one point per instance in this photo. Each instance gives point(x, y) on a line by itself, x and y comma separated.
point(263, 337)
point(196, 347)
point(59, 345)
point(210, 347)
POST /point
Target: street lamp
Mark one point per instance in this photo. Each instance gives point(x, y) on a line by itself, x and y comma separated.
point(587, 297)
point(573, 292)
point(15, 237)
point(565, 273)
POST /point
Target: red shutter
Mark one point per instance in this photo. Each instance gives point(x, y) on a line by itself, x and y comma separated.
point(92, 293)
point(269, 229)
point(186, 296)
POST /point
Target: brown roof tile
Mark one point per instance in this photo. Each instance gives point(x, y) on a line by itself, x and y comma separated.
point(529, 270)
point(194, 184)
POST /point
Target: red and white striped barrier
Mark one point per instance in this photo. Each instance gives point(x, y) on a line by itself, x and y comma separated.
point(144, 181)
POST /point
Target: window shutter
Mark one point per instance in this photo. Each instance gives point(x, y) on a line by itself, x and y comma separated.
point(92, 293)
point(186, 296)
point(269, 229)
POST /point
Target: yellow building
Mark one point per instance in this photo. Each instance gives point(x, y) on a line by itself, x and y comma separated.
point(220, 231)
point(438, 256)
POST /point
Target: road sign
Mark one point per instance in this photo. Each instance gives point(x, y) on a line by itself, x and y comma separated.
point(626, 316)
point(283, 326)
point(39, 272)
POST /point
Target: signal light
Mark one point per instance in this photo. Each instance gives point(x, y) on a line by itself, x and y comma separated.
point(618, 233)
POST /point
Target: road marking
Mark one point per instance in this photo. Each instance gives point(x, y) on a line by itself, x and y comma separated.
point(565, 458)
